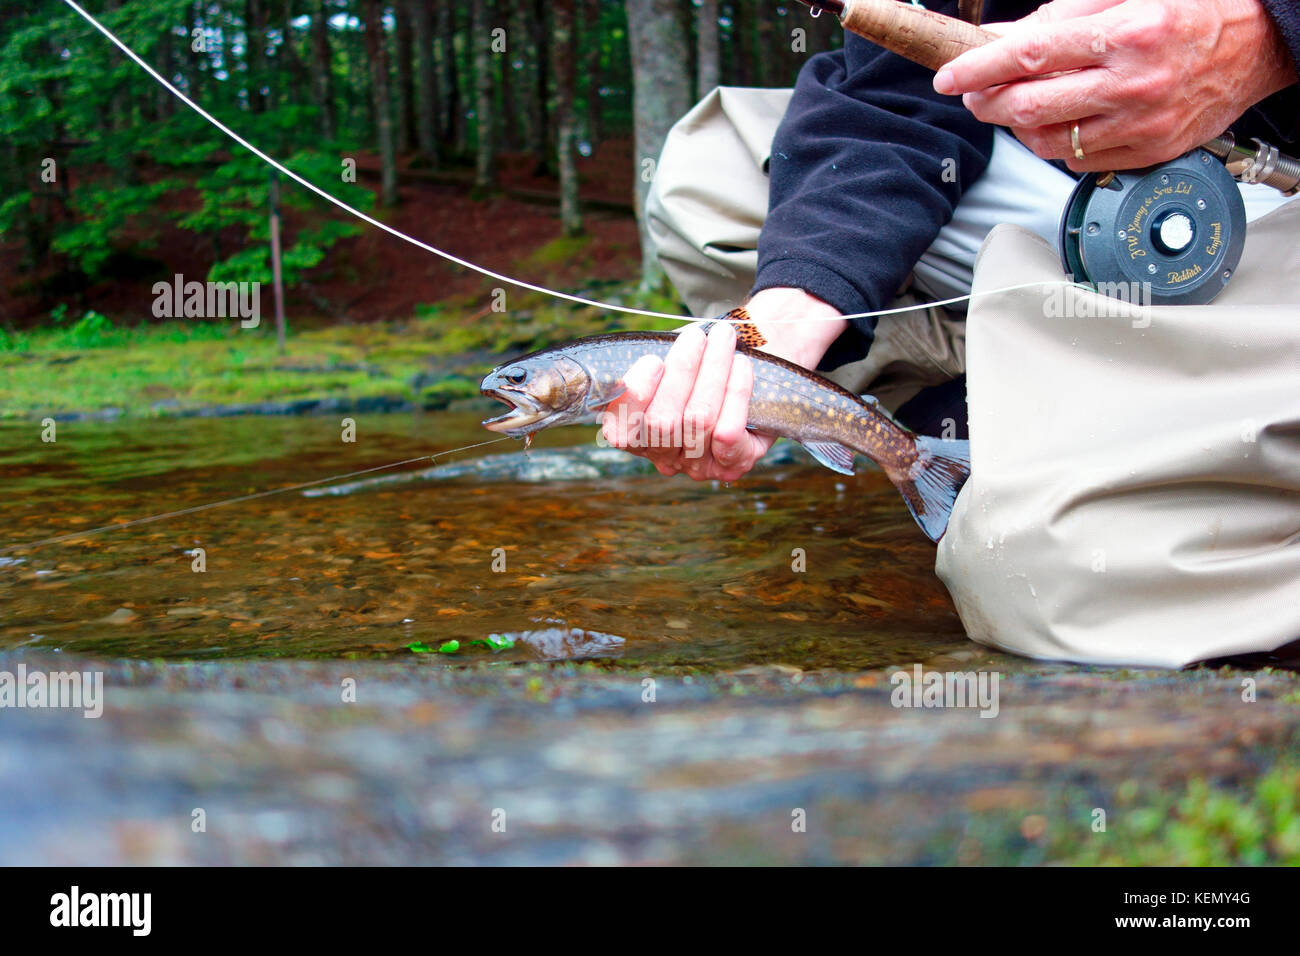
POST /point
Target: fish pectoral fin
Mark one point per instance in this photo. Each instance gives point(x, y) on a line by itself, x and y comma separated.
point(831, 454)
point(603, 401)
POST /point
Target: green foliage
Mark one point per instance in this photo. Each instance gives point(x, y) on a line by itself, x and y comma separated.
point(13, 210)
point(95, 331)
point(1212, 828)
point(104, 211)
point(237, 194)
point(67, 96)
point(1207, 825)
point(91, 331)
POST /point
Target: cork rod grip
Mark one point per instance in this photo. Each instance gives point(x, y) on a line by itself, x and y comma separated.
point(930, 39)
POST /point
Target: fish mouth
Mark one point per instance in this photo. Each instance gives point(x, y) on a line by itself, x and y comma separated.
point(523, 411)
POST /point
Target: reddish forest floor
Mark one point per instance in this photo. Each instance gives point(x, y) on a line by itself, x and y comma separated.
point(374, 276)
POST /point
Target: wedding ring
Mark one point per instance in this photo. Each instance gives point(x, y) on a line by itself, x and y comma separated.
point(1074, 141)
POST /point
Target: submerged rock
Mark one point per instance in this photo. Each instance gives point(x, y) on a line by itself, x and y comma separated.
point(569, 643)
point(578, 463)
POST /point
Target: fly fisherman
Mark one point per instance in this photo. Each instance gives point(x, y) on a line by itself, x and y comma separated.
point(883, 180)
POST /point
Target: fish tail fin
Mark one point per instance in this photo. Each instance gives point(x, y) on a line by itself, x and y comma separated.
point(930, 485)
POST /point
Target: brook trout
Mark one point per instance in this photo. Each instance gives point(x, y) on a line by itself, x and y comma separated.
point(573, 384)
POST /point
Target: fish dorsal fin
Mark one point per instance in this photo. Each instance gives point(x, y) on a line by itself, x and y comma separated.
point(831, 454)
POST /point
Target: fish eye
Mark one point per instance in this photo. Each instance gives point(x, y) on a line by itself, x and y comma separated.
point(516, 376)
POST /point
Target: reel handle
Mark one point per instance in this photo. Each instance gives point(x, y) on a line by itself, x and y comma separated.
point(1263, 164)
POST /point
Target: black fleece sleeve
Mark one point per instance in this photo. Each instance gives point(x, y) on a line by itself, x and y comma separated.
point(866, 168)
point(1281, 111)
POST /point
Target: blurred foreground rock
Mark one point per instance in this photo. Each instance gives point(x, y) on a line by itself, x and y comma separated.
point(580, 768)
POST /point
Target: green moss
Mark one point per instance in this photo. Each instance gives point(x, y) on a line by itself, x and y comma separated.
point(91, 363)
point(442, 393)
point(560, 251)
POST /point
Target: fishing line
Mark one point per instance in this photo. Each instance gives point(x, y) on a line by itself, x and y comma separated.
point(231, 501)
point(280, 167)
point(464, 263)
point(968, 297)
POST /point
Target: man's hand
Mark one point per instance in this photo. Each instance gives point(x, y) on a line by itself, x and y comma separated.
point(1146, 80)
point(688, 413)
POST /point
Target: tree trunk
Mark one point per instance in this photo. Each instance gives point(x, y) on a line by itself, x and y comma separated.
point(193, 58)
point(300, 84)
point(510, 125)
point(165, 102)
point(742, 43)
point(117, 100)
point(427, 116)
point(403, 48)
point(322, 69)
point(255, 55)
point(765, 39)
point(540, 127)
point(358, 97)
point(661, 94)
point(485, 175)
point(706, 33)
point(564, 58)
point(377, 53)
point(521, 39)
point(453, 125)
point(591, 66)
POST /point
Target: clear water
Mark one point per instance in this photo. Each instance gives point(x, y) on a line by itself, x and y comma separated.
point(685, 574)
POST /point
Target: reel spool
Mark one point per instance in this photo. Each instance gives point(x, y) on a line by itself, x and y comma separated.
point(1166, 235)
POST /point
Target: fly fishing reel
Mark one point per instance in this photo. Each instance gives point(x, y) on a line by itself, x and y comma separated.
point(1165, 235)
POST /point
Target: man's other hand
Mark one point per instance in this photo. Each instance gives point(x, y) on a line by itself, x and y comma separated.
point(1146, 80)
